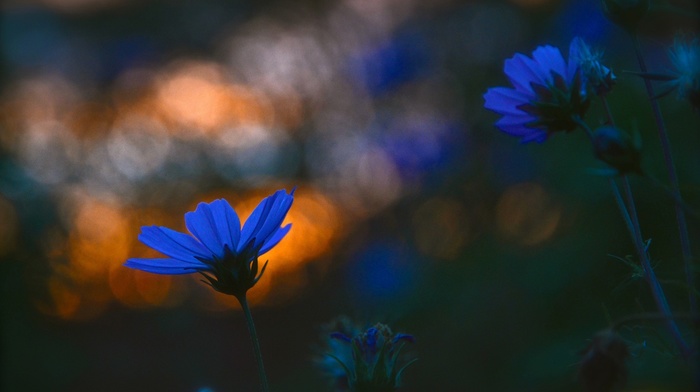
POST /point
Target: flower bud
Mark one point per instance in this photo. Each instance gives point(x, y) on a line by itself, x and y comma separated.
point(373, 366)
point(596, 75)
point(626, 13)
point(602, 366)
point(616, 148)
point(335, 351)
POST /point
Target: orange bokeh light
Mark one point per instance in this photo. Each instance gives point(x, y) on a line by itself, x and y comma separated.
point(87, 266)
point(442, 228)
point(527, 214)
point(66, 301)
point(198, 96)
point(99, 239)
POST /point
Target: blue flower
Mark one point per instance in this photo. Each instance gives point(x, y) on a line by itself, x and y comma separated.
point(685, 56)
point(547, 95)
point(218, 248)
point(375, 356)
point(684, 77)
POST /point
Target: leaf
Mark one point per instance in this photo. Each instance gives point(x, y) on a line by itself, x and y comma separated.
point(400, 372)
point(664, 93)
point(345, 367)
point(652, 76)
point(637, 270)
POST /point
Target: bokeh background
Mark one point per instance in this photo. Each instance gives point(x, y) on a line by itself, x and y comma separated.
point(411, 208)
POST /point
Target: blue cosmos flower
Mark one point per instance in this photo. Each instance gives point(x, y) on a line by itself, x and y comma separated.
point(218, 248)
point(547, 94)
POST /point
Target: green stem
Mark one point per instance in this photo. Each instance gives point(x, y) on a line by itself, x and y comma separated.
point(649, 317)
point(629, 214)
point(256, 343)
point(656, 289)
point(589, 132)
point(623, 208)
point(673, 179)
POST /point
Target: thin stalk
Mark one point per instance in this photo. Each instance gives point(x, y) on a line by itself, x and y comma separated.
point(623, 208)
point(629, 214)
point(256, 344)
point(674, 196)
point(589, 132)
point(649, 317)
point(673, 179)
point(656, 289)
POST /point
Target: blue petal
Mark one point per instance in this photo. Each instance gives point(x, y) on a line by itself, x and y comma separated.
point(227, 223)
point(505, 100)
point(403, 336)
point(575, 53)
point(275, 238)
point(550, 59)
point(515, 125)
point(254, 221)
point(522, 70)
point(280, 207)
point(164, 266)
point(537, 136)
point(340, 336)
point(172, 243)
point(266, 217)
point(201, 224)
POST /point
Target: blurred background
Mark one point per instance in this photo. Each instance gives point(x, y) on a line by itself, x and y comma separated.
point(411, 208)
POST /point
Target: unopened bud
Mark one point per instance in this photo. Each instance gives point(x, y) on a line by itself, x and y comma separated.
point(596, 75)
point(616, 148)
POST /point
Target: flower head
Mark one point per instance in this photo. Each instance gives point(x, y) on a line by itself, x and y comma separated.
point(685, 57)
point(375, 353)
point(218, 248)
point(599, 77)
point(548, 94)
point(684, 76)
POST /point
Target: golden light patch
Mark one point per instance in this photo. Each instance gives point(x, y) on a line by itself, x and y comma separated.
point(527, 214)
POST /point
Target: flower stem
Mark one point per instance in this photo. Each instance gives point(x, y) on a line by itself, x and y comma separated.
point(656, 289)
point(673, 179)
point(649, 317)
point(256, 344)
point(629, 215)
point(589, 132)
